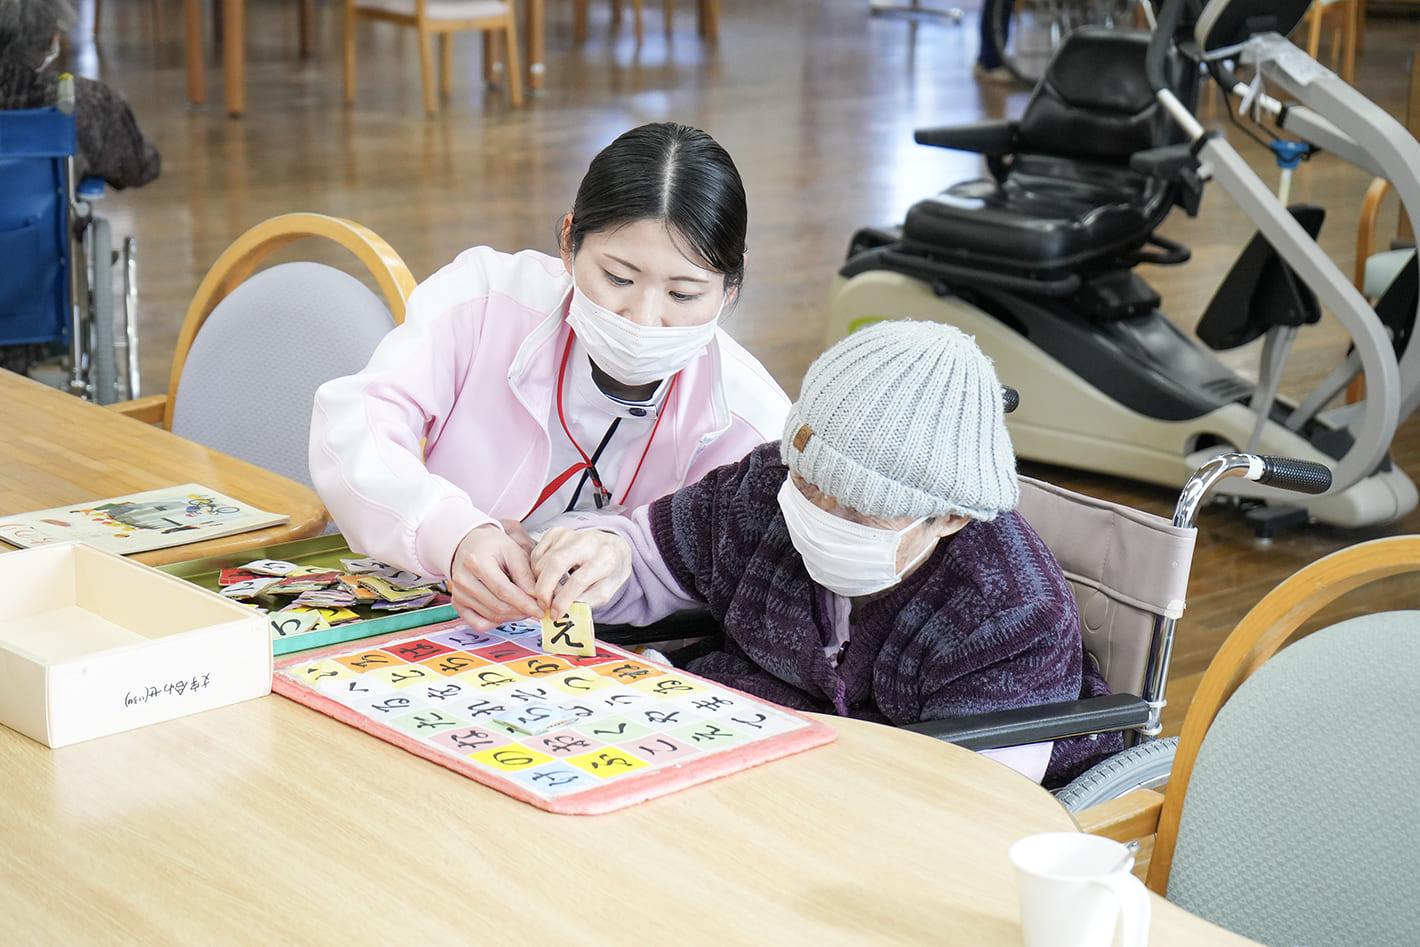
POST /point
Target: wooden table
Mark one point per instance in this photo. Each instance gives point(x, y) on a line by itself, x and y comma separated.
point(234, 51)
point(267, 822)
point(58, 450)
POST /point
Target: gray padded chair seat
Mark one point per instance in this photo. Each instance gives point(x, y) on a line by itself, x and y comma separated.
point(250, 379)
point(1299, 826)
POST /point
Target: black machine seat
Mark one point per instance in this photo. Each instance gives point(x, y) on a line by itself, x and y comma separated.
point(1065, 194)
point(1047, 214)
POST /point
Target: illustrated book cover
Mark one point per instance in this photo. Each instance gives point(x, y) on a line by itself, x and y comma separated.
point(139, 522)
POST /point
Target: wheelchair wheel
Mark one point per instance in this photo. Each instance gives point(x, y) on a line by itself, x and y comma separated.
point(1142, 766)
point(100, 334)
point(126, 335)
point(1026, 33)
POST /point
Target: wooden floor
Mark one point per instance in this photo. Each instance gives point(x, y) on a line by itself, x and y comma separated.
point(817, 101)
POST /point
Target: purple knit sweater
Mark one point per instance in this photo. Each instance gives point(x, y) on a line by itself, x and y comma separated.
point(986, 623)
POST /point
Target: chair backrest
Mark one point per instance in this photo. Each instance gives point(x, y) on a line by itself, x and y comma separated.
point(1335, 761)
point(251, 374)
point(1128, 570)
point(35, 145)
point(254, 348)
point(1095, 101)
point(1298, 826)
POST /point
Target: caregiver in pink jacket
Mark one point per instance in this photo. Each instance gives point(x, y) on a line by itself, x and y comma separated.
point(523, 386)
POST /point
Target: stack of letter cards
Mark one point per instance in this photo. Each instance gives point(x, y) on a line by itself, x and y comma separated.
point(570, 733)
point(306, 599)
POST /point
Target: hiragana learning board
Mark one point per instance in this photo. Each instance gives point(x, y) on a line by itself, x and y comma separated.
point(576, 735)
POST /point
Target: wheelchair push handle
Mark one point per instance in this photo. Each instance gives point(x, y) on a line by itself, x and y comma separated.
point(1302, 476)
point(1286, 473)
point(65, 101)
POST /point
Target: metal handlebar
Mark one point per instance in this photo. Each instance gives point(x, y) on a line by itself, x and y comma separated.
point(1286, 473)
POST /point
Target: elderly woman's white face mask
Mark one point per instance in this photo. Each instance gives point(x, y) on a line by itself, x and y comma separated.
point(52, 55)
point(844, 556)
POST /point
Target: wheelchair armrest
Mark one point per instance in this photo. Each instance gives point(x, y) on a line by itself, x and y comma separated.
point(149, 410)
point(689, 624)
point(1021, 725)
point(991, 137)
point(1176, 163)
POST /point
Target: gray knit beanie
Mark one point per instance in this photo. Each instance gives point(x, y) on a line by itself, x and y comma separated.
point(904, 419)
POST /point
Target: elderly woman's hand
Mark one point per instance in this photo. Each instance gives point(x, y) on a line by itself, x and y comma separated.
point(491, 581)
point(578, 566)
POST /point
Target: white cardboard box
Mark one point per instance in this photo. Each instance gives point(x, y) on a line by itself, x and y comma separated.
point(92, 643)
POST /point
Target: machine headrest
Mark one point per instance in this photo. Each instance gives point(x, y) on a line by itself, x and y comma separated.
point(1225, 23)
point(1095, 101)
point(1099, 68)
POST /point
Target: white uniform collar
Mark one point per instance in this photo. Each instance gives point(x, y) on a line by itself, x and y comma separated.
point(582, 389)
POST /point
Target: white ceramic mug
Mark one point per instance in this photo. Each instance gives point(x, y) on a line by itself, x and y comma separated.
point(1075, 887)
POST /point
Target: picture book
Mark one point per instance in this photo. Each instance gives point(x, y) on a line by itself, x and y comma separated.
point(157, 519)
point(575, 734)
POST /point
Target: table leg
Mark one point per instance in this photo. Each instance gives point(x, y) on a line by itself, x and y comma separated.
point(308, 28)
point(196, 77)
point(234, 34)
point(536, 43)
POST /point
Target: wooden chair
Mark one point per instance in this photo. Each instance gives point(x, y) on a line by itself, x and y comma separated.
point(707, 18)
point(232, 41)
point(1379, 262)
point(157, 7)
point(442, 18)
point(1273, 767)
point(256, 345)
point(1344, 17)
point(1368, 241)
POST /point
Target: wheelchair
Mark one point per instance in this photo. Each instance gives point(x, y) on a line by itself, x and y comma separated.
point(57, 298)
point(1128, 571)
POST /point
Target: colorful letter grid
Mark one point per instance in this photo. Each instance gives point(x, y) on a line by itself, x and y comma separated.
point(634, 729)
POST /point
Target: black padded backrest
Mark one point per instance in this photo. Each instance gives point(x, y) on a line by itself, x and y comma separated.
point(1095, 102)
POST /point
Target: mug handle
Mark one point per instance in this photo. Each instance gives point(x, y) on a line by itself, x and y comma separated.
point(1134, 906)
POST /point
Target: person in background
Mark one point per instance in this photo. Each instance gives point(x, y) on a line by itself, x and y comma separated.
point(110, 144)
point(523, 386)
point(869, 564)
point(988, 66)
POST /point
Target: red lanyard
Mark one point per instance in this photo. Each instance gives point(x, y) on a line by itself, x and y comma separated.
point(586, 462)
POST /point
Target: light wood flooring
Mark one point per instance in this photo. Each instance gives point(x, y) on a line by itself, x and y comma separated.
point(816, 99)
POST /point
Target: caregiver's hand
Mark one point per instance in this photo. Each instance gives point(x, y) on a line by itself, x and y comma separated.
point(586, 565)
point(492, 579)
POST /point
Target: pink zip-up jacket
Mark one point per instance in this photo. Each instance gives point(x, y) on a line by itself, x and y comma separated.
point(472, 373)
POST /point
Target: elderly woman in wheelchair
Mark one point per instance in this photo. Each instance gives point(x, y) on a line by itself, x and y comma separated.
point(62, 139)
point(110, 144)
point(871, 564)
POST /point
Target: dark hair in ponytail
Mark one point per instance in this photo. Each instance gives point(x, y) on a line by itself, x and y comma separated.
point(670, 172)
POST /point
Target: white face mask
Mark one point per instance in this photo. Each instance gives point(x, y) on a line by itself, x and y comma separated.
point(843, 556)
point(631, 353)
point(52, 55)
